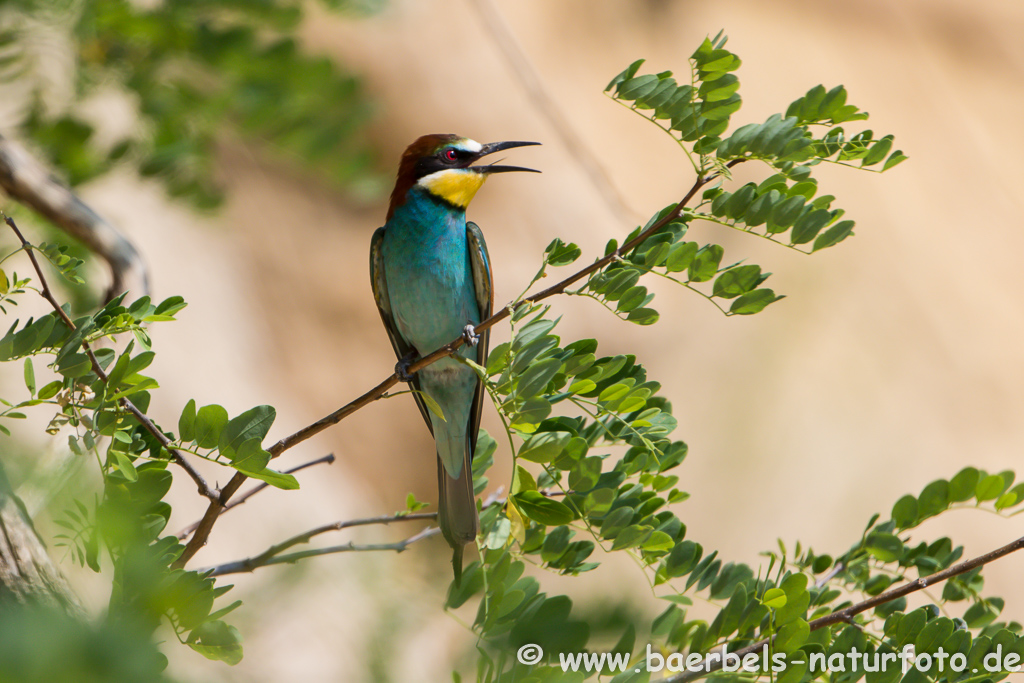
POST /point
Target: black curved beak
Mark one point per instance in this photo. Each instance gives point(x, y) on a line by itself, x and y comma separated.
point(492, 147)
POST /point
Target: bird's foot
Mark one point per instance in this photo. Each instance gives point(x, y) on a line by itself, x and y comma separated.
point(402, 368)
point(470, 336)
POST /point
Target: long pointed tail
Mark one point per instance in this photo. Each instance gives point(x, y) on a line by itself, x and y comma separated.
point(457, 514)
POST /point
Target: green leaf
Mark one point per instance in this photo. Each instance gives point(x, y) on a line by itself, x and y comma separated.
point(736, 281)
point(680, 256)
point(643, 316)
point(1008, 499)
point(894, 159)
point(530, 415)
point(280, 480)
point(248, 456)
point(560, 254)
point(633, 297)
point(774, 598)
point(30, 377)
point(990, 488)
point(218, 641)
point(543, 447)
point(210, 422)
point(124, 465)
point(705, 263)
point(753, 302)
point(981, 614)
point(620, 280)
point(683, 558)
point(632, 536)
point(253, 424)
point(637, 87)
point(144, 384)
point(522, 481)
point(658, 542)
point(962, 487)
point(598, 502)
point(500, 533)
point(497, 359)
point(140, 362)
point(187, 422)
point(585, 474)
point(878, 151)
point(904, 512)
point(536, 377)
point(74, 365)
point(431, 404)
point(792, 635)
point(834, 235)
point(933, 499)
point(809, 225)
point(50, 390)
point(625, 75)
point(544, 510)
point(170, 306)
point(885, 547)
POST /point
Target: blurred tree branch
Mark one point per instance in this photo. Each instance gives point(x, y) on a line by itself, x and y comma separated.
point(27, 574)
point(520, 65)
point(26, 180)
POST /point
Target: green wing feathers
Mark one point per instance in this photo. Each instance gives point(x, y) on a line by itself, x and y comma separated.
point(379, 284)
point(483, 285)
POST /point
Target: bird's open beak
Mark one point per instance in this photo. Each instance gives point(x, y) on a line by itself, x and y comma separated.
point(492, 147)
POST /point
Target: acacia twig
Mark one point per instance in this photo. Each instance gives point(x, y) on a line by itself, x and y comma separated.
point(328, 459)
point(847, 614)
point(272, 555)
point(206, 524)
point(147, 424)
point(291, 558)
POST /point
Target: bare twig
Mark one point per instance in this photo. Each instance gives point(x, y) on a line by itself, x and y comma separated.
point(520, 65)
point(398, 547)
point(847, 614)
point(147, 424)
point(272, 555)
point(206, 524)
point(26, 180)
point(328, 459)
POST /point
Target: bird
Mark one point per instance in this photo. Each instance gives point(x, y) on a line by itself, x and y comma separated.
point(431, 278)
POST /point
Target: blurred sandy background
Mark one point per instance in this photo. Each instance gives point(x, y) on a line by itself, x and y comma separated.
point(896, 355)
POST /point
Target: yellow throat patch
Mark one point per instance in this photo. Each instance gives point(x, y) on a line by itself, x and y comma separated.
point(457, 186)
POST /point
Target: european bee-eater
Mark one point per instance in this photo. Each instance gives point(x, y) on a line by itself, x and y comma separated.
point(431, 278)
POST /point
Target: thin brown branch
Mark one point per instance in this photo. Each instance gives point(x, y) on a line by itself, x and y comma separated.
point(327, 459)
point(272, 555)
point(27, 181)
point(531, 82)
point(398, 547)
point(147, 424)
point(847, 614)
point(206, 524)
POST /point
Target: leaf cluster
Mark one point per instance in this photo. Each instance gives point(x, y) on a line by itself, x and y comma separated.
point(125, 526)
point(596, 461)
point(192, 70)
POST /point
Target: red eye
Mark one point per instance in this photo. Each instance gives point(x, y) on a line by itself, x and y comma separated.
point(451, 155)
